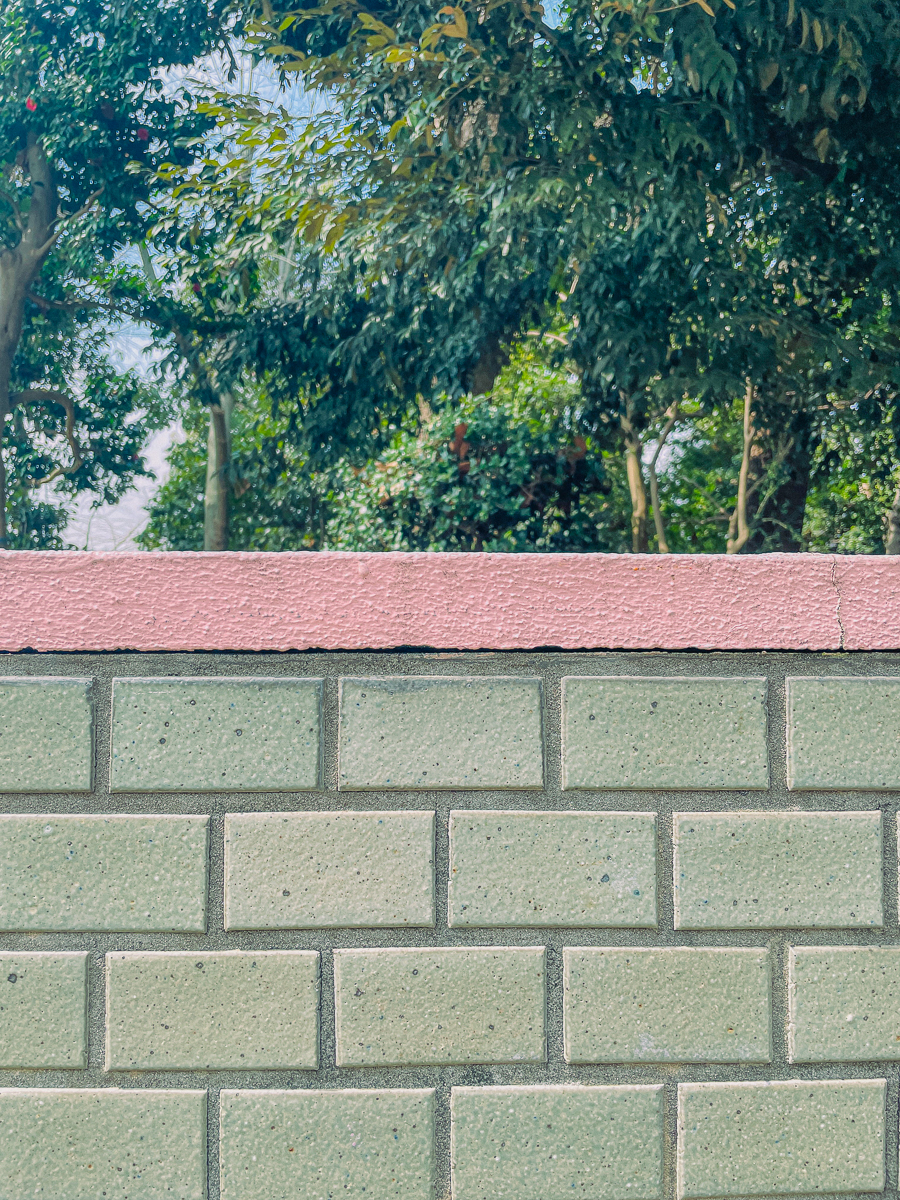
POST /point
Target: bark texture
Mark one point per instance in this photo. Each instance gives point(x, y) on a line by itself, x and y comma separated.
point(218, 464)
point(634, 471)
point(892, 535)
point(20, 266)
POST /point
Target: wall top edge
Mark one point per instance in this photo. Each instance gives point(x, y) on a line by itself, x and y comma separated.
point(77, 601)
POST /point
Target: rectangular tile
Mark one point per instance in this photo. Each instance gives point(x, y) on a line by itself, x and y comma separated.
point(677, 1004)
point(441, 732)
point(554, 1142)
point(194, 1010)
point(780, 1139)
point(456, 1004)
point(43, 1009)
point(96, 873)
point(215, 734)
point(844, 1003)
point(46, 737)
point(329, 870)
point(577, 869)
point(843, 732)
point(634, 732)
point(314, 1145)
point(742, 870)
point(88, 1143)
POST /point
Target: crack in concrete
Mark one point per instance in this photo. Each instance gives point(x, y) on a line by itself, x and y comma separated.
point(837, 591)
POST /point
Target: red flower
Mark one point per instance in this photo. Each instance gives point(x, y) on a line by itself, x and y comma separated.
point(30, 105)
point(197, 288)
point(143, 134)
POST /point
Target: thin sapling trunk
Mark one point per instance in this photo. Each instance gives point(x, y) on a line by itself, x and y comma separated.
point(739, 525)
point(218, 463)
point(637, 491)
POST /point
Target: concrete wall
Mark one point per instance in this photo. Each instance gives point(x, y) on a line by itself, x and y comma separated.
point(524, 925)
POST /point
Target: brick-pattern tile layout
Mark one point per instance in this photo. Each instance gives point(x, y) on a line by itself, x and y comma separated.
point(448, 1005)
point(103, 873)
point(43, 1009)
point(667, 1005)
point(781, 1139)
point(441, 733)
point(449, 927)
point(242, 1009)
point(207, 735)
point(45, 735)
point(329, 870)
point(747, 870)
point(365, 1142)
point(550, 1143)
point(664, 733)
point(843, 733)
point(552, 868)
point(86, 1143)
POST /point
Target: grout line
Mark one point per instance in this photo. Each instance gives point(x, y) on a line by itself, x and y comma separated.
point(442, 1139)
point(330, 730)
point(101, 696)
point(215, 883)
point(665, 874)
point(670, 1140)
point(890, 864)
point(441, 870)
point(213, 1108)
point(779, 949)
point(96, 1010)
point(554, 1006)
point(891, 1141)
point(327, 1011)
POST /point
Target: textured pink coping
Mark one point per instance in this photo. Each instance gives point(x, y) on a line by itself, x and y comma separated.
point(78, 601)
point(295, 601)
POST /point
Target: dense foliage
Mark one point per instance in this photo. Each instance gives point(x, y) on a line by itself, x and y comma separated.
point(700, 194)
point(84, 104)
point(626, 278)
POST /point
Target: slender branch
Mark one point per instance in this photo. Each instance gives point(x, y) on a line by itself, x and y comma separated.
point(62, 220)
point(778, 459)
point(65, 306)
point(50, 396)
point(551, 337)
point(661, 544)
point(738, 526)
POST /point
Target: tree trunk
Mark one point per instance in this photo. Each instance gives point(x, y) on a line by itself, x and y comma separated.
point(639, 507)
point(20, 265)
point(662, 545)
point(778, 518)
point(739, 525)
point(892, 536)
point(493, 358)
point(218, 460)
point(6, 356)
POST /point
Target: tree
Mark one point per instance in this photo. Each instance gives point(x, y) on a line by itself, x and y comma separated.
point(745, 147)
point(83, 95)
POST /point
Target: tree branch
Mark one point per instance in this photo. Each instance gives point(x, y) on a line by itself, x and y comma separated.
point(62, 220)
point(65, 306)
point(50, 396)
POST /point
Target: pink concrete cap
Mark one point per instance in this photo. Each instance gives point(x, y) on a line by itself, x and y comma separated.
point(333, 601)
